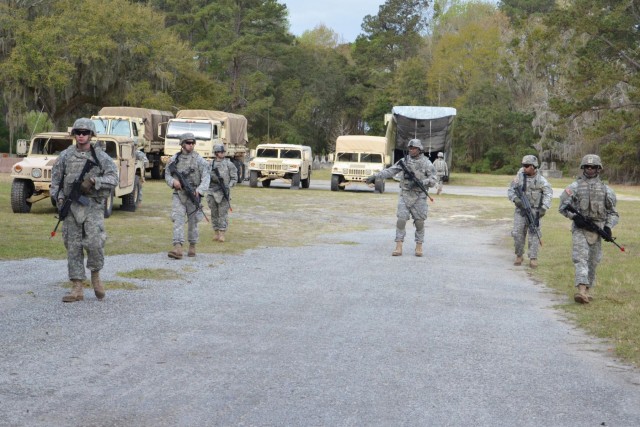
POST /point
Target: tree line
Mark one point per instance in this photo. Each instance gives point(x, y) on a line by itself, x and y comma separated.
point(554, 78)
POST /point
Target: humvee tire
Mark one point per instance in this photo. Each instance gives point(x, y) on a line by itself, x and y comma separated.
point(21, 190)
point(295, 181)
point(253, 179)
point(130, 201)
point(307, 182)
point(335, 180)
point(266, 183)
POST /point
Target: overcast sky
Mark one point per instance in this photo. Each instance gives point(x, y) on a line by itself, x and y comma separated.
point(342, 16)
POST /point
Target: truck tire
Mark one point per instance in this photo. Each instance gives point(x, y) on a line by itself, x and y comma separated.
point(295, 181)
point(108, 205)
point(306, 182)
point(379, 185)
point(335, 180)
point(253, 179)
point(266, 183)
point(130, 201)
point(156, 170)
point(21, 190)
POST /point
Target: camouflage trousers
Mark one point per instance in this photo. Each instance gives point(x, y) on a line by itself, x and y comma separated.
point(411, 204)
point(439, 183)
point(183, 210)
point(519, 233)
point(219, 210)
point(83, 230)
point(586, 256)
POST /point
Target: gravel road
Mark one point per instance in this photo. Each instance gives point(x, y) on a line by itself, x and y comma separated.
point(336, 333)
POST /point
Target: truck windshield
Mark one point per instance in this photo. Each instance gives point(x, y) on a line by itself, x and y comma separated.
point(120, 127)
point(347, 157)
point(50, 146)
point(101, 126)
point(270, 153)
point(359, 157)
point(370, 158)
point(200, 130)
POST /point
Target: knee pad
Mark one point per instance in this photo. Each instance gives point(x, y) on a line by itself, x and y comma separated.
point(401, 224)
point(419, 223)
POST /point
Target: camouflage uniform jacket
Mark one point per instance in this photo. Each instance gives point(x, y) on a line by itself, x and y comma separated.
point(193, 167)
point(422, 168)
point(69, 165)
point(536, 188)
point(441, 167)
point(593, 199)
point(229, 174)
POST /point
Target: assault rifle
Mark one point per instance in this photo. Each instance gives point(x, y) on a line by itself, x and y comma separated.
point(188, 189)
point(225, 190)
point(408, 172)
point(528, 213)
point(75, 195)
point(592, 226)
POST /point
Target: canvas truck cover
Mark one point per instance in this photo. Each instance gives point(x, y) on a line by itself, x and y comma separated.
point(431, 125)
point(235, 124)
point(152, 118)
point(361, 144)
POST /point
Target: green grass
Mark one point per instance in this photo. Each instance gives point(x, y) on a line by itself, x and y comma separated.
point(281, 217)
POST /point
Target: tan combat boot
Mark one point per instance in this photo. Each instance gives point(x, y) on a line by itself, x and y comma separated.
point(418, 249)
point(533, 263)
point(176, 253)
point(518, 261)
point(589, 296)
point(192, 250)
point(581, 296)
point(398, 249)
point(76, 294)
point(221, 236)
point(98, 289)
point(216, 236)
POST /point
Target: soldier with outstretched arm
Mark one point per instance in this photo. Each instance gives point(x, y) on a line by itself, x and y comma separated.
point(592, 201)
point(412, 202)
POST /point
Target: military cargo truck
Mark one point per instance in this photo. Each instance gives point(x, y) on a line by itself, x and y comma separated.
point(433, 126)
point(32, 176)
point(356, 158)
point(210, 128)
point(142, 126)
point(287, 162)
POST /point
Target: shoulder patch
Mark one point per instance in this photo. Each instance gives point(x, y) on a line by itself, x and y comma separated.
point(569, 191)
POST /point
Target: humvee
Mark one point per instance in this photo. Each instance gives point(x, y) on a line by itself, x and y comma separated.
point(32, 176)
point(288, 162)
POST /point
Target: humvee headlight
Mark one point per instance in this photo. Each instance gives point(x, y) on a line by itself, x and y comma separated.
point(36, 173)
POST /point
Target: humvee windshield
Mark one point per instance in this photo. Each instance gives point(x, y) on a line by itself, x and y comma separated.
point(290, 154)
point(270, 153)
point(47, 146)
point(359, 157)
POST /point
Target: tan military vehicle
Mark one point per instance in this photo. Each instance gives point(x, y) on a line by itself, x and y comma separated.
point(357, 157)
point(287, 162)
point(32, 176)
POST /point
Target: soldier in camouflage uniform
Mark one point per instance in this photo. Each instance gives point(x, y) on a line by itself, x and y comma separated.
point(412, 201)
point(539, 193)
point(215, 197)
point(596, 201)
point(442, 171)
point(196, 171)
point(140, 156)
point(83, 228)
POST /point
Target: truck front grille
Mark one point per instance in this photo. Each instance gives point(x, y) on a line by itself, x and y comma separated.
point(274, 167)
point(356, 172)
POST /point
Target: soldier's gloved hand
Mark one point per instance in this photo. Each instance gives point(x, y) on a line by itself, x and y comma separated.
point(579, 222)
point(607, 231)
point(370, 179)
point(542, 212)
point(518, 203)
point(86, 185)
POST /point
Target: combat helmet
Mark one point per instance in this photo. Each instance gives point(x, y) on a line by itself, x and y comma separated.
point(440, 155)
point(530, 160)
point(218, 148)
point(415, 143)
point(84, 124)
point(591, 160)
point(188, 136)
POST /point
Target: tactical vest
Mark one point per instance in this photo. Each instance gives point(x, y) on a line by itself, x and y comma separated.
point(73, 166)
point(187, 165)
point(418, 166)
point(591, 195)
point(223, 168)
point(533, 190)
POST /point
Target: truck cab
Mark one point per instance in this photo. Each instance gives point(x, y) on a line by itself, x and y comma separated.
point(287, 162)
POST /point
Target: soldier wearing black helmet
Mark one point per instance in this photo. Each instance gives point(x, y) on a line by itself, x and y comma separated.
point(83, 228)
point(412, 201)
point(538, 192)
point(594, 200)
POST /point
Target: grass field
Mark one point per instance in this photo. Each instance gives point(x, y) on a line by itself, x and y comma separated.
point(283, 217)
